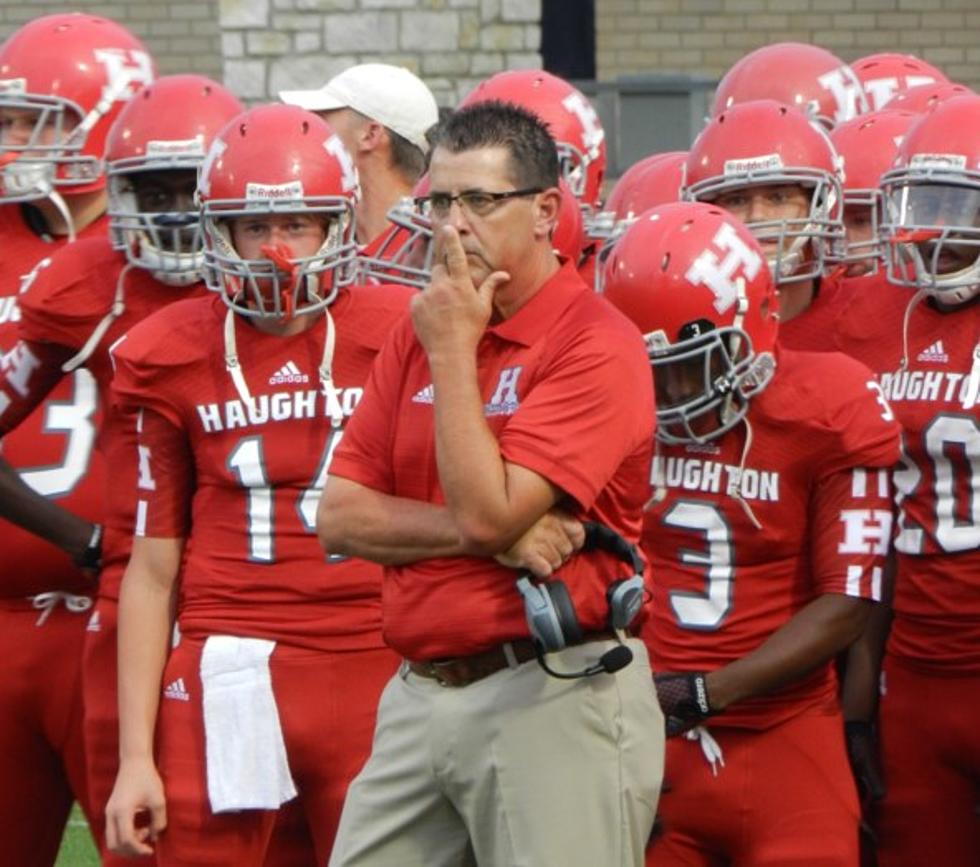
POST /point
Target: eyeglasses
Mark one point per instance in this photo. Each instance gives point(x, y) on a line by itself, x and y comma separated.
point(476, 202)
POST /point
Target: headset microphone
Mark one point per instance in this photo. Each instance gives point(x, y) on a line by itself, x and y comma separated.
point(609, 663)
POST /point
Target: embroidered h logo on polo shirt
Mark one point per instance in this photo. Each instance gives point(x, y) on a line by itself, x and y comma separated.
point(504, 400)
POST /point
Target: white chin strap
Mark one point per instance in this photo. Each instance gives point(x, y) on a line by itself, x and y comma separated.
point(115, 311)
point(234, 367)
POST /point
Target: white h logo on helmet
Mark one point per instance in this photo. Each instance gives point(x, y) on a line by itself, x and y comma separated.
point(592, 131)
point(125, 70)
point(846, 89)
point(718, 273)
point(348, 173)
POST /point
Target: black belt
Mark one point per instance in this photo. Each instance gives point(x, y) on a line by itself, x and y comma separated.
point(464, 670)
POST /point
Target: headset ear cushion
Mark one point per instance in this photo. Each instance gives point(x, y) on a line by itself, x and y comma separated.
point(625, 598)
point(565, 610)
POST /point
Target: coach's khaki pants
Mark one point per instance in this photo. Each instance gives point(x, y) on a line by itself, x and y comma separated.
point(517, 770)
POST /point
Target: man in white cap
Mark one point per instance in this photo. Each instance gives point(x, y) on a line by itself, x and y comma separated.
point(382, 114)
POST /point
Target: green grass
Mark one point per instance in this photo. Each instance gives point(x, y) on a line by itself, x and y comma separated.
point(77, 848)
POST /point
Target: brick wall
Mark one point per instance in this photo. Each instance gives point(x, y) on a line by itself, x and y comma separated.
point(272, 45)
point(705, 37)
point(183, 35)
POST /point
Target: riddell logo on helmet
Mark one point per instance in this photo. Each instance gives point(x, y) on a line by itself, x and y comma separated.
point(765, 163)
point(13, 85)
point(956, 162)
point(267, 192)
point(193, 147)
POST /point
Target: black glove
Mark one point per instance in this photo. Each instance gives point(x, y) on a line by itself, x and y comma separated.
point(684, 700)
point(90, 560)
point(862, 751)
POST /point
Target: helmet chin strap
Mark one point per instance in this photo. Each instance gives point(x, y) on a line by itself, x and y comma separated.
point(115, 311)
point(325, 370)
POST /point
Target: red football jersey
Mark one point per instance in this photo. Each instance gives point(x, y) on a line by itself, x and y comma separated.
point(816, 478)
point(811, 330)
point(54, 446)
point(66, 302)
point(559, 403)
point(937, 588)
point(241, 481)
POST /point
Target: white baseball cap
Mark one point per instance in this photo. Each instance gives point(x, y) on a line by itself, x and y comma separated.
point(390, 95)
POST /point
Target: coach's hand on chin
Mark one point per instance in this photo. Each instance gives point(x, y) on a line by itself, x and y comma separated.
point(138, 791)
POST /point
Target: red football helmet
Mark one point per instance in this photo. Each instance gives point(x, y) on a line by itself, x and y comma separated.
point(63, 80)
point(805, 76)
point(278, 159)
point(403, 254)
point(568, 236)
point(925, 97)
point(768, 144)
point(693, 280)
point(168, 126)
point(931, 220)
point(570, 117)
point(884, 75)
point(866, 146)
point(654, 180)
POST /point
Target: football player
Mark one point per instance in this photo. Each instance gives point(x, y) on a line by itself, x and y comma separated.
point(866, 146)
point(240, 400)
point(921, 337)
point(85, 298)
point(63, 80)
point(766, 533)
point(654, 180)
point(764, 162)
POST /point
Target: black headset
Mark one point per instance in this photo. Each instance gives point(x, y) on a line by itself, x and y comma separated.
point(551, 615)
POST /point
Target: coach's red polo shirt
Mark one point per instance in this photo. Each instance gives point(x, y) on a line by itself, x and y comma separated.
point(568, 393)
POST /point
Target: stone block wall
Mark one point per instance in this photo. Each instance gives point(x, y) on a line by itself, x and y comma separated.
point(183, 35)
point(273, 45)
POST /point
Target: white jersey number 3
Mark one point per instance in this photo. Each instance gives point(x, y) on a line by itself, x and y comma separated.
point(74, 418)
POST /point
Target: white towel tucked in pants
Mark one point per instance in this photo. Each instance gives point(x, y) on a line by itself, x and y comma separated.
point(246, 756)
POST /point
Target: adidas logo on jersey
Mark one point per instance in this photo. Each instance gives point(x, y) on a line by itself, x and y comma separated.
point(175, 690)
point(935, 354)
point(288, 374)
point(425, 395)
point(94, 623)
